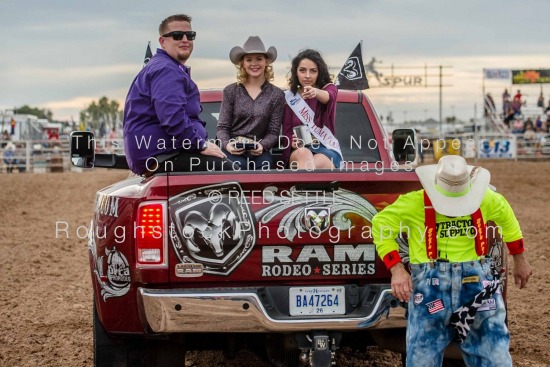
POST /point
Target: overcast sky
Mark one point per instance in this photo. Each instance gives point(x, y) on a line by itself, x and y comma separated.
point(64, 54)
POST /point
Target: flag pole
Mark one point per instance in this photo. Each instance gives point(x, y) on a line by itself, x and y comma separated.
point(361, 43)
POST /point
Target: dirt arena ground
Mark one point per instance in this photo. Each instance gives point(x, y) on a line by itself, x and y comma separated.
point(45, 283)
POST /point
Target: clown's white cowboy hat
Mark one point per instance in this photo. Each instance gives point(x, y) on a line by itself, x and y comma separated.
point(454, 188)
point(253, 45)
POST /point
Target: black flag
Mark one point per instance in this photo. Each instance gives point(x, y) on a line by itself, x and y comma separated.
point(148, 54)
point(353, 76)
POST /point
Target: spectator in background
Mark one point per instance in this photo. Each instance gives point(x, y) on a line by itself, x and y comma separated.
point(102, 129)
point(419, 147)
point(20, 157)
point(113, 134)
point(531, 137)
point(547, 110)
point(9, 157)
point(112, 144)
point(518, 127)
point(527, 123)
point(516, 107)
point(53, 135)
point(509, 116)
point(5, 138)
point(547, 124)
point(540, 101)
point(538, 124)
point(506, 105)
point(529, 132)
point(516, 103)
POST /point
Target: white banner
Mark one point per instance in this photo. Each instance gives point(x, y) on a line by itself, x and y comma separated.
point(497, 147)
point(497, 74)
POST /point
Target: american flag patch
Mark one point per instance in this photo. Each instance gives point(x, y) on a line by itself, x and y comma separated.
point(435, 306)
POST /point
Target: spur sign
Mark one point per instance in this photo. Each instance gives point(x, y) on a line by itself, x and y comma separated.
point(401, 81)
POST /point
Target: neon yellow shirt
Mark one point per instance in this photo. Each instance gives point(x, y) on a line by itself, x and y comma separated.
point(455, 235)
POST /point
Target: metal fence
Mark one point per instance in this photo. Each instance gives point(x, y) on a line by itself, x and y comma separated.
point(488, 146)
point(41, 156)
point(37, 156)
point(537, 147)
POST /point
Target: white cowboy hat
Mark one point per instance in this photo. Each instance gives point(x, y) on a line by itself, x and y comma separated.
point(253, 45)
point(454, 188)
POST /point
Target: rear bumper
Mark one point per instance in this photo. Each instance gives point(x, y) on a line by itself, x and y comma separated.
point(259, 310)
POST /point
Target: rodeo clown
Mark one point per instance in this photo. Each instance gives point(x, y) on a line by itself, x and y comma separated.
point(453, 292)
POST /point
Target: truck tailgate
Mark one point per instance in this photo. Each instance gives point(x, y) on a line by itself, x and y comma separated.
point(276, 253)
point(292, 228)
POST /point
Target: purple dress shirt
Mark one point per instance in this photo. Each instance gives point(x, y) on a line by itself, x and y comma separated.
point(161, 114)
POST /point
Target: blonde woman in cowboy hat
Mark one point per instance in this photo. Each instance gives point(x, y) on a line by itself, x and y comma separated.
point(251, 110)
point(452, 292)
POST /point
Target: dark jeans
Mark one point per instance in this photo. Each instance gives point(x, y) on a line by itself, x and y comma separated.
point(195, 162)
point(248, 161)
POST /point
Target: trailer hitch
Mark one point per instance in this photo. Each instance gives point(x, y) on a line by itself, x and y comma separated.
point(318, 348)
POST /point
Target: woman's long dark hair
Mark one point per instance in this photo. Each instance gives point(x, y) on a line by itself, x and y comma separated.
point(322, 79)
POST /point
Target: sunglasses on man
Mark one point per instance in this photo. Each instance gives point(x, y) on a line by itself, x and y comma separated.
point(178, 35)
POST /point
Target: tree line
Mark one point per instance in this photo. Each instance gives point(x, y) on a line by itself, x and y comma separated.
point(103, 113)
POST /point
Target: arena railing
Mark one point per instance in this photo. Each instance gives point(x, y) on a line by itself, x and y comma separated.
point(42, 156)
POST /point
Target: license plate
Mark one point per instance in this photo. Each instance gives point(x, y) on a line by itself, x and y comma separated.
point(317, 300)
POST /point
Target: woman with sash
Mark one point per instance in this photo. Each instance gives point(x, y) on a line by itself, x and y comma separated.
point(310, 108)
point(251, 113)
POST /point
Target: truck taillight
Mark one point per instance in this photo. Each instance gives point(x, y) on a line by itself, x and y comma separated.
point(150, 234)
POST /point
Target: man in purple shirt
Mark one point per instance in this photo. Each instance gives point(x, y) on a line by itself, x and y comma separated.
point(162, 128)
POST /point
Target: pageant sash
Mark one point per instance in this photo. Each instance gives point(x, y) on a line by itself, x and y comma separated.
point(306, 115)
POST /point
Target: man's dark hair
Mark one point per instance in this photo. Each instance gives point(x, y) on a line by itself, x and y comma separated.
point(163, 27)
point(322, 79)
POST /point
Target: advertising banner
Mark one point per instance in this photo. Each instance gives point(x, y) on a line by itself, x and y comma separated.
point(497, 73)
point(497, 147)
point(531, 76)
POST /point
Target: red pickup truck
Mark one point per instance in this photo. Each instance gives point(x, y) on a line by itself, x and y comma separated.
point(281, 262)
